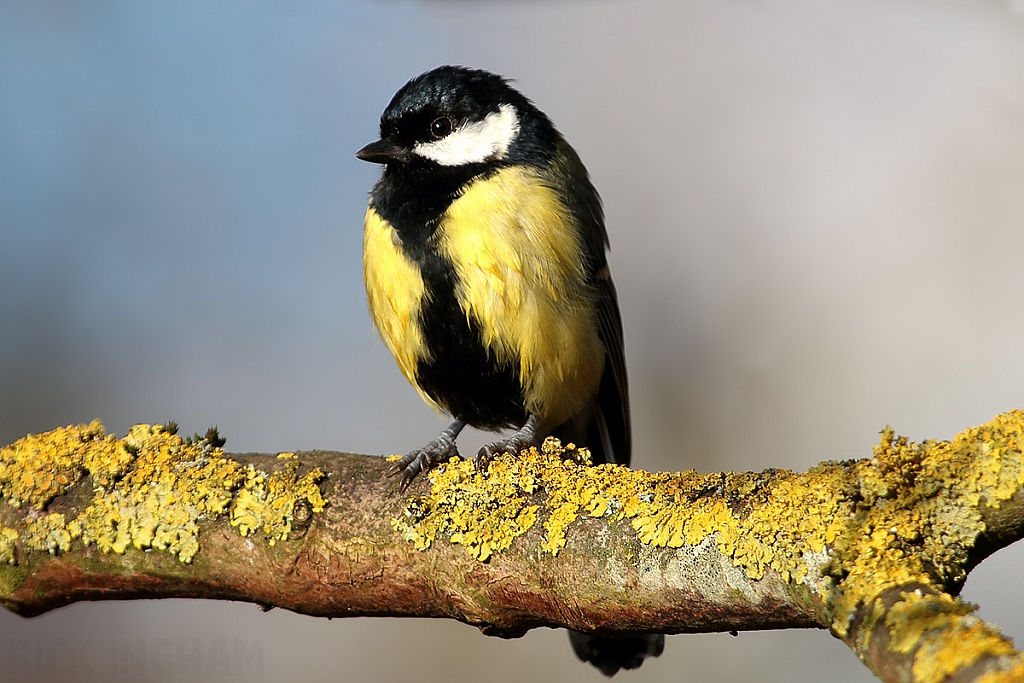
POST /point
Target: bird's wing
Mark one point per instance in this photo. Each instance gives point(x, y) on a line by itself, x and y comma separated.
point(609, 424)
point(613, 394)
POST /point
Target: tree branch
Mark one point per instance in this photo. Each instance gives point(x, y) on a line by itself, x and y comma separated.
point(874, 550)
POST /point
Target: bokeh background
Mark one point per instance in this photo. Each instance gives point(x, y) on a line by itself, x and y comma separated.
point(816, 209)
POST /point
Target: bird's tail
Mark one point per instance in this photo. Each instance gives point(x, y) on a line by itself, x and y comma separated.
point(611, 654)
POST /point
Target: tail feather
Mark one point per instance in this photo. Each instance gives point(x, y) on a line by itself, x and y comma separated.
point(611, 654)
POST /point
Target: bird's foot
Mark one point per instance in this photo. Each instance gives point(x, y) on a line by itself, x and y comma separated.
point(442, 449)
point(515, 444)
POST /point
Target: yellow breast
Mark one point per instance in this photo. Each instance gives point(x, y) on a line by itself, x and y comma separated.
point(394, 290)
point(521, 276)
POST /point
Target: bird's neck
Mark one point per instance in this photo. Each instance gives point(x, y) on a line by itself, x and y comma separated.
point(413, 199)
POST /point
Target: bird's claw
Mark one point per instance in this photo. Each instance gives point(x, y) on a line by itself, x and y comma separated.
point(512, 445)
point(442, 449)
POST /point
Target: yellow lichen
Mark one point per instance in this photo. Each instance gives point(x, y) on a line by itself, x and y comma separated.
point(48, 533)
point(483, 517)
point(7, 539)
point(39, 467)
point(172, 485)
point(958, 646)
point(267, 501)
point(150, 489)
point(916, 614)
point(908, 515)
point(943, 635)
point(1009, 670)
point(474, 508)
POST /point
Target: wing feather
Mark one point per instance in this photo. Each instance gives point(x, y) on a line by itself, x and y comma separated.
point(607, 428)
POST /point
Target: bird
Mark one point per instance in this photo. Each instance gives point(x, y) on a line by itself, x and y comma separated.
point(484, 259)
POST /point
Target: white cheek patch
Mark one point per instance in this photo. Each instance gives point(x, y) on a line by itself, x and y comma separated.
point(474, 142)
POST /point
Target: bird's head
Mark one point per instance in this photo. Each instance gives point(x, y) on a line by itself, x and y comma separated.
point(453, 116)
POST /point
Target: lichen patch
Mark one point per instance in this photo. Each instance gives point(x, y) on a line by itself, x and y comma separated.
point(267, 501)
point(942, 633)
point(7, 539)
point(39, 467)
point(850, 530)
point(151, 489)
point(49, 533)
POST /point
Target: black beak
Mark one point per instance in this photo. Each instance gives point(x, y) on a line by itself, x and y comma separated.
point(383, 152)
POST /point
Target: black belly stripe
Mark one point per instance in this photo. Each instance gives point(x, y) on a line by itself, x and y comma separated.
point(461, 375)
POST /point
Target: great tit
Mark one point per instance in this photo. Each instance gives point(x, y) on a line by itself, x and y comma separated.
point(484, 260)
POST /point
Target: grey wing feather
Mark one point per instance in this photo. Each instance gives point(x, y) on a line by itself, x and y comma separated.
point(609, 435)
point(613, 395)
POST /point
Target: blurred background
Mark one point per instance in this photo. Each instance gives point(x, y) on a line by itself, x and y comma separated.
point(816, 210)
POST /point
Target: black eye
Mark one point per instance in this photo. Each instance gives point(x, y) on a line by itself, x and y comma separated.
point(440, 127)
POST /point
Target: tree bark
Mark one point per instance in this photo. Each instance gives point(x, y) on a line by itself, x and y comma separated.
point(874, 550)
